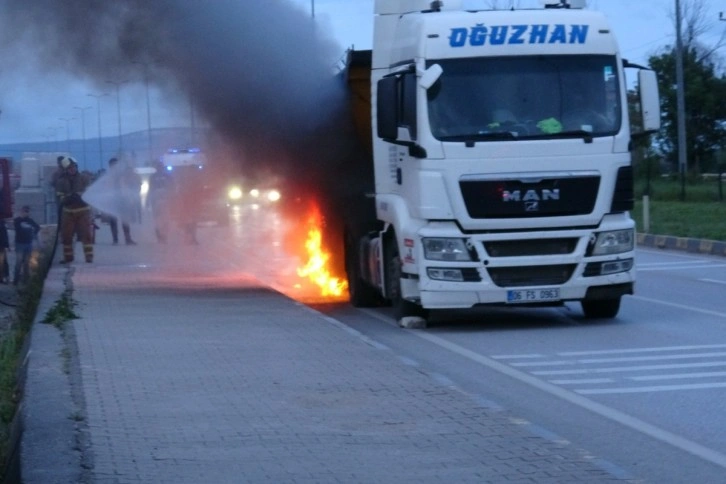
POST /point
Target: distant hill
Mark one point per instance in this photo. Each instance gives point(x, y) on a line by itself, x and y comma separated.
point(135, 145)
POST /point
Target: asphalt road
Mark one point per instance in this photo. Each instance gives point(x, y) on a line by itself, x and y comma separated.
point(644, 392)
point(639, 395)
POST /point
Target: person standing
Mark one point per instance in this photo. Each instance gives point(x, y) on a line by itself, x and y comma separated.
point(4, 247)
point(26, 234)
point(124, 181)
point(161, 193)
point(76, 213)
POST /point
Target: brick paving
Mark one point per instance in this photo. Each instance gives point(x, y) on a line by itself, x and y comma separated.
point(190, 372)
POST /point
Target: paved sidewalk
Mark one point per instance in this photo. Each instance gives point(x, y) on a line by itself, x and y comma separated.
point(179, 371)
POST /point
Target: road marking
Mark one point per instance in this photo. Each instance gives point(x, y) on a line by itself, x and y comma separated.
point(617, 369)
point(609, 413)
point(679, 268)
point(517, 357)
point(681, 306)
point(674, 263)
point(647, 349)
point(657, 388)
point(674, 376)
point(621, 359)
point(622, 418)
point(715, 281)
point(582, 381)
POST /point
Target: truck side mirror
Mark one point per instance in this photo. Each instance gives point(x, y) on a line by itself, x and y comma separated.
point(430, 76)
point(387, 108)
point(649, 100)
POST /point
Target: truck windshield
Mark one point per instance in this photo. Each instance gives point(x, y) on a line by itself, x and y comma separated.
point(532, 97)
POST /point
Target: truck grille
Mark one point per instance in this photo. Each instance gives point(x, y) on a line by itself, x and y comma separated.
point(548, 197)
point(519, 248)
point(531, 275)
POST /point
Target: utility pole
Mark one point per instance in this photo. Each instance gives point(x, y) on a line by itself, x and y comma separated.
point(100, 142)
point(192, 126)
point(148, 105)
point(118, 106)
point(312, 7)
point(68, 132)
point(54, 129)
point(83, 131)
point(680, 102)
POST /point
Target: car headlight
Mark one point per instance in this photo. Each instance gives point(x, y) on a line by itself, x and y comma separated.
point(234, 193)
point(255, 193)
point(453, 250)
point(614, 242)
point(273, 195)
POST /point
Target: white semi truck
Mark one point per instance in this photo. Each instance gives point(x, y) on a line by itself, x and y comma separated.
point(501, 150)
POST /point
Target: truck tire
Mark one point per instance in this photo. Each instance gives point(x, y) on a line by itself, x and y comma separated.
point(401, 307)
point(601, 308)
point(362, 294)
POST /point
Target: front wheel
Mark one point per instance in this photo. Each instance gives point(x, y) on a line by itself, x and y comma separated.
point(402, 309)
point(601, 308)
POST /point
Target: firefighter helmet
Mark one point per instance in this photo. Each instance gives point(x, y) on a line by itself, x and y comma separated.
point(67, 161)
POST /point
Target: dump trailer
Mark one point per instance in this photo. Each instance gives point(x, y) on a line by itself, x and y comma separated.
point(501, 152)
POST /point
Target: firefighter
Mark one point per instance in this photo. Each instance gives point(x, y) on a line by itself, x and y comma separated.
point(76, 213)
point(161, 196)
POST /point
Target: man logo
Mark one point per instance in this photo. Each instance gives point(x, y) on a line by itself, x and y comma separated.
point(531, 195)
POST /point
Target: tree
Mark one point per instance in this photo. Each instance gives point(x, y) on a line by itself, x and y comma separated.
point(705, 91)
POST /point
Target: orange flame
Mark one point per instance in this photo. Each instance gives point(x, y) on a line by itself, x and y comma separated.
point(316, 268)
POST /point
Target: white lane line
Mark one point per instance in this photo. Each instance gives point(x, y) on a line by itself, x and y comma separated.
point(675, 376)
point(681, 306)
point(679, 268)
point(617, 369)
point(642, 350)
point(673, 263)
point(715, 281)
point(517, 357)
point(622, 418)
point(587, 361)
point(657, 388)
point(686, 356)
point(582, 381)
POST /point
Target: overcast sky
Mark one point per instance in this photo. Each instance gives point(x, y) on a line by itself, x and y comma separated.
point(34, 101)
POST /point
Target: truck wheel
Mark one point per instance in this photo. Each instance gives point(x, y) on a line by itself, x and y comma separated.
point(362, 295)
point(402, 309)
point(601, 308)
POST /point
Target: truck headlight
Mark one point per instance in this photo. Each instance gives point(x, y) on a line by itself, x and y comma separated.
point(614, 242)
point(453, 250)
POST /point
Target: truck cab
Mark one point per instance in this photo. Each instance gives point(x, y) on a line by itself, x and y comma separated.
point(501, 149)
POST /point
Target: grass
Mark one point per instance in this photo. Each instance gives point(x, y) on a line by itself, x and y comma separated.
point(13, 349)
point(61, 312)
point(702, 215)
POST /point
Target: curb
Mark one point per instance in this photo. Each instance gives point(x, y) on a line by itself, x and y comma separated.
point(685, 244)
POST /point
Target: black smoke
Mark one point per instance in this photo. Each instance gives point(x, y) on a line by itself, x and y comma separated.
point(260, 73)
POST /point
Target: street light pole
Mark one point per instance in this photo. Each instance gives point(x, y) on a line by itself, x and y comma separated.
point(312, 7)
point(54, 129)
point(148, 104)
point(100, 141)
point(118, 105)
point(680, 102)
point(68, 132)
point(83, 131)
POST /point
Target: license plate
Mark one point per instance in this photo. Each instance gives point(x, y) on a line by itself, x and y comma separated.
point(521, 296)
